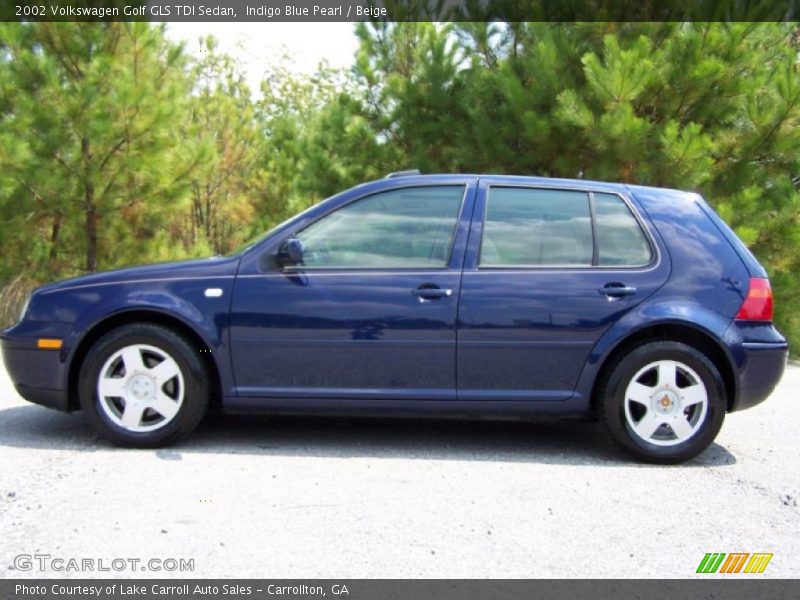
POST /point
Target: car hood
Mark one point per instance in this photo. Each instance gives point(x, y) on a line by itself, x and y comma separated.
point(217, 266)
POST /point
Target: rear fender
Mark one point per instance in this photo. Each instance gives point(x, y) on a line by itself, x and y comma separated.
point(635, 323)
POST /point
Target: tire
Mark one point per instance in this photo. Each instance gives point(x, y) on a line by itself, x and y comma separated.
point(143, 386)
point(664, 402)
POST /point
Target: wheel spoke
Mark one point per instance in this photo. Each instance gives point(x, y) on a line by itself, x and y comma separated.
point(164, 405)
point(667, 373)
point(132, 359)
point(164, 371)
point(112, 387)
point(694, 394)
point(681, 427)
point(639, 393)
point(647, 426)
point(132, 415)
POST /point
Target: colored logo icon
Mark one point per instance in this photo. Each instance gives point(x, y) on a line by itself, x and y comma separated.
point(735, 562)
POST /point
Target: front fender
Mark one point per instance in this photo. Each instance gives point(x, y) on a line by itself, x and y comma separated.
point(185, 305)
point(179, 299)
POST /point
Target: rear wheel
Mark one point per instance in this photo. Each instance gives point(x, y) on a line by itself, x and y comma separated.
point(664, 402)
point(143, 385)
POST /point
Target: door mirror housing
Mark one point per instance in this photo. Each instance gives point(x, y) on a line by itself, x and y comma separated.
point(290, 253)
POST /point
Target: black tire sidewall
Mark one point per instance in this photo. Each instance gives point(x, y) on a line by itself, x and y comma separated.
point(195, 381)
point(613, 397)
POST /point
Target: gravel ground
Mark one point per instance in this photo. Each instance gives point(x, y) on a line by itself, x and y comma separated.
point(346, 498)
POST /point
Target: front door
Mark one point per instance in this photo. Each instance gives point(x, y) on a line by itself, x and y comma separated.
point(370, 312)
point(547, 272)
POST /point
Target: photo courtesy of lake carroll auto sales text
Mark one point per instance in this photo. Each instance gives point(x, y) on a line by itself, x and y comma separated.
point(184, 590)
point(399, 299)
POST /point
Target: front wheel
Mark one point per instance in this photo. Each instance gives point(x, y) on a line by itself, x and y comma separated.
point(143, 386)
point(664, 402)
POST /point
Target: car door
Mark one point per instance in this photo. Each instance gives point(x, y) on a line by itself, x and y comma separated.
point(371, 311)
point(547, 271)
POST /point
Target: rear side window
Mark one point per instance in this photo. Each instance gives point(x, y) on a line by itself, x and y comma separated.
point(529, 227)
point(537, 227)
point(620, 239)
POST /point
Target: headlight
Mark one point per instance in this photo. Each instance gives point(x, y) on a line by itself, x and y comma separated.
point(25, 307)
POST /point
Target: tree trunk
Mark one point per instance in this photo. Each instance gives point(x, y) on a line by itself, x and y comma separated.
point(55, 239)
point(91, 210)
point(55, 236)
point(91, 235)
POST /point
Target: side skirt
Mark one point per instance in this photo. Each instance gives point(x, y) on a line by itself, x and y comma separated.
point(574, 407)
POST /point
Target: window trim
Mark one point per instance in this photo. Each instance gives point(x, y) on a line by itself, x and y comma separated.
point(655, 253)
point(334, 269)
point(595, 243)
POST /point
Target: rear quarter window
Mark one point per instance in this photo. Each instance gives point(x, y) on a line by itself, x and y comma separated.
point(620, 239)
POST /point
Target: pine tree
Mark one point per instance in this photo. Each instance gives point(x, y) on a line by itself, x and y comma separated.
point(92, 110)
point(224, 190)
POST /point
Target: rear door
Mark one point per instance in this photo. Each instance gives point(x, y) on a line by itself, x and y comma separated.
point(548, 270)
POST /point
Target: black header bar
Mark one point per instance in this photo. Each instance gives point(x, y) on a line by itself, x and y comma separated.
point(400, 10)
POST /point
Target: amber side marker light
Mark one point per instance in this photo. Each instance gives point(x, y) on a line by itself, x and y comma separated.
point(48, 344)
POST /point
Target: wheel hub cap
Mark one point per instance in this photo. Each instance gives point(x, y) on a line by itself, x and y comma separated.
point(142, 387)
point(665, 401)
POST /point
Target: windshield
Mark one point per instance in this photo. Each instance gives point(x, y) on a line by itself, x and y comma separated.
point(243, 247)
point(247, 244)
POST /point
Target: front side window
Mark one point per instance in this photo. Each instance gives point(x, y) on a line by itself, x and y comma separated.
point(527, 227)
point(403, 228)
point(620, 240)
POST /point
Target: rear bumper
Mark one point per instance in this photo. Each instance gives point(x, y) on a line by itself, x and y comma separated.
point(761, 370)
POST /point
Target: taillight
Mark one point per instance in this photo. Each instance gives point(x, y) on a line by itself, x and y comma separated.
point(757, 306)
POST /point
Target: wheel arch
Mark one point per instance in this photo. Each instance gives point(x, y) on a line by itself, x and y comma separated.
point(698, 338)
point(139, 315)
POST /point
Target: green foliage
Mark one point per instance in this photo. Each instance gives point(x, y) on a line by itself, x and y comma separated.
point(223, 123)
point(111, 129)
point(90, 115)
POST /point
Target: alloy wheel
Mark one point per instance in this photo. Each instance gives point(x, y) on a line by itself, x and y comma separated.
point(140, 388)
point(665, 403)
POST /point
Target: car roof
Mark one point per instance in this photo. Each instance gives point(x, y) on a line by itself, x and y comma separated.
point(414, 178)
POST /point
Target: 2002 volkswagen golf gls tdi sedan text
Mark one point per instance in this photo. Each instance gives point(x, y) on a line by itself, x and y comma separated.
point(453, 293)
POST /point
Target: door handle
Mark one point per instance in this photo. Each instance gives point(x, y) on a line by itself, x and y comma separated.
point(431, 293)
point(616, 290)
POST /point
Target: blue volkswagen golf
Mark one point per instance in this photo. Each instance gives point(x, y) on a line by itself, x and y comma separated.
point(464, 294)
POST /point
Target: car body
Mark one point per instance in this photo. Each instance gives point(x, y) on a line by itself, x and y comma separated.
point(418, 293)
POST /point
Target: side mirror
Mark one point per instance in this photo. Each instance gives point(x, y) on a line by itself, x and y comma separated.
point(290, 253)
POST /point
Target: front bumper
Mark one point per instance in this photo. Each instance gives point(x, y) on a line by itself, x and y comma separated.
point(39, 376)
